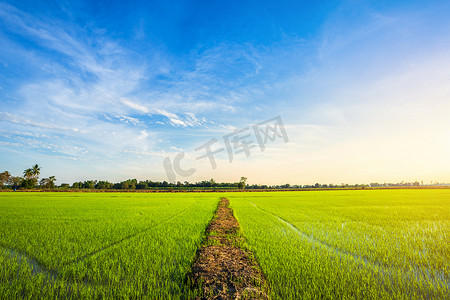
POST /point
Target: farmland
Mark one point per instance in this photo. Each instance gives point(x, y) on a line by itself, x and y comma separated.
point(347, 244)
point(99, 245)
point(350, 244)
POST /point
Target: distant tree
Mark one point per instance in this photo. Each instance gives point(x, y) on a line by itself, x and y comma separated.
point(52, 181)
point(28, 173)
point(31, 176)
point(89, 184)
point(4, 178)
point(132, 183)
point(212, 182)
point(29, 183)
point(124, 185)
point(43, 182)
point(64, 185)
point(48, 182)
point(103, 185)
point(242, 182)
point(15, 182)
point(77, 185)
point(142, 185)
point(36, 171)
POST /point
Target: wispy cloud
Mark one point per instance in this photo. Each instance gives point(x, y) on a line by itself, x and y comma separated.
point(22, 121)
point(75, 91)
point(95, 76)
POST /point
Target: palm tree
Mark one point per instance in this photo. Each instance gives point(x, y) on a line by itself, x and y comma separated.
point(28, 173)
point(52, 180)
point(36, 171)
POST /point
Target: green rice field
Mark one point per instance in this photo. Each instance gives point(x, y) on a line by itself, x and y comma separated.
point(389, 244)
point(361, 244)
point(95, 245)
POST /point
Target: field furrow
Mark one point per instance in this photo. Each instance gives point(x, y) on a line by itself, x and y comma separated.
point(421, 274)
point(381, 244)
point(148, 244)
point(350, 244)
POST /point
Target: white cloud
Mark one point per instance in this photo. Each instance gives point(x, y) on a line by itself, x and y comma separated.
point(94, 100)
point(229, 127)
point(20, 120)
point(136, 106)
point(127, 120)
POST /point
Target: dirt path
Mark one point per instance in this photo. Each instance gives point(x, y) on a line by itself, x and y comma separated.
point(222, 268)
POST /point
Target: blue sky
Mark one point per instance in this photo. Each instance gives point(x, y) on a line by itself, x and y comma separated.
point(109, 89)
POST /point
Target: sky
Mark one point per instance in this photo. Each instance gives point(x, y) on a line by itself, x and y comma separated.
point(338, 91)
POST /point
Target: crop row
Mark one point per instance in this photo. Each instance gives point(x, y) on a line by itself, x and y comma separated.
point(350, 244)
point(100, 245)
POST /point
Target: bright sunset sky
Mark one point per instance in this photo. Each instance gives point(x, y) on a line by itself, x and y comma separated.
point(108, 89)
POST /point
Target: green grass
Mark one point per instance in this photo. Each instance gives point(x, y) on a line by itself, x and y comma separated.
point(391, 244)
point(96, 245)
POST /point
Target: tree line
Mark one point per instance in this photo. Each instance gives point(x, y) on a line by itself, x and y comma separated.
point(134, 184)
point(30, 180)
